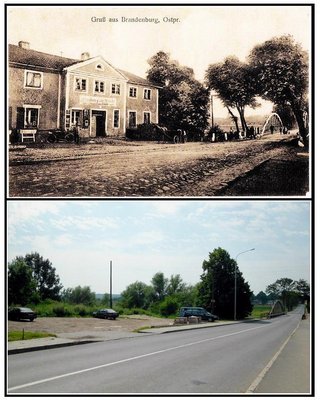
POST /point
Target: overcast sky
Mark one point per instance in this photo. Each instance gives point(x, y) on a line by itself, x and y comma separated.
point(174, 237)
point(196, 36)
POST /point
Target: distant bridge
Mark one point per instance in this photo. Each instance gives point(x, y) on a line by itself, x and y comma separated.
point(273, 124)
point(277, 309)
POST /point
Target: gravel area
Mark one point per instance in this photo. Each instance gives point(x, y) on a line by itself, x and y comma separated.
point(148, 169)
point(87, 326)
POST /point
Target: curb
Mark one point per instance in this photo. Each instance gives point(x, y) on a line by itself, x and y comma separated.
point(182, 328)
point(50, 346)
point(79, 342)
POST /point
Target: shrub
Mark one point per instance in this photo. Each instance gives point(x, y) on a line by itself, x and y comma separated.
point(168, 306)
point(59, 311)
point(217, 132)
point(81, 310)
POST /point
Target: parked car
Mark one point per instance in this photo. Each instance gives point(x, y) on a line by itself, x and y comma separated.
point(58, 135)
point(18, 313)
point(197, 312)
point(106, 313)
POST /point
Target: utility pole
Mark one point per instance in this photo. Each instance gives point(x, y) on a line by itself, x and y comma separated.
point(110, 284)
point(212, 115)
point(212, 300)
point(235, 283)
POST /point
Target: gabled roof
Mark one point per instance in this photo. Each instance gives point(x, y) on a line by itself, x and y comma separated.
point(30, 58)
point(99, 59)
point(135, 79)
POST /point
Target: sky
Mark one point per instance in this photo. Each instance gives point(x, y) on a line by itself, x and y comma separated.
point(196, 36)
point(144, 237)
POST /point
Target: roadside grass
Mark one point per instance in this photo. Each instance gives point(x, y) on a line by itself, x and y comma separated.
point(260, 310)
point(22, 335)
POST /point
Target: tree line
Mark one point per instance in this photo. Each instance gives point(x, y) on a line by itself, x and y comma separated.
point(33, 280)
point(276, 70)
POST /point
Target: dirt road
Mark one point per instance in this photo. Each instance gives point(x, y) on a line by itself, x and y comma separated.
point(127, 169)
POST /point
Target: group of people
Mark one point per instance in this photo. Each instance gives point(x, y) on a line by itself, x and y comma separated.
point(250, 133)
point(282, 129)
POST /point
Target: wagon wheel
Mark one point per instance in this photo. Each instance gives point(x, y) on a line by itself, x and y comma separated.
point(176, 139)
point(51, 138)
point(69, 137)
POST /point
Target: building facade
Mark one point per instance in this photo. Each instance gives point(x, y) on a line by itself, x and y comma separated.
point(50, 92)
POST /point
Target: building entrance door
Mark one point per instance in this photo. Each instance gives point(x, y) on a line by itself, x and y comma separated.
point(98, 123)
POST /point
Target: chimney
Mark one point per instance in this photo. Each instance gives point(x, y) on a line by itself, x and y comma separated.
point(24, 45)
point(85, 56)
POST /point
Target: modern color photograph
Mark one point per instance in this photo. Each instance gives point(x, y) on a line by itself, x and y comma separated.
point(159, 297)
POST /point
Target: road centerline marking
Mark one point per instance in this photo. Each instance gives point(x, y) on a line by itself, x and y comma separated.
point(25, 385)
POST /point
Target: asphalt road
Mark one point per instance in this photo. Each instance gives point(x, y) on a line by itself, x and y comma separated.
point(225, 359)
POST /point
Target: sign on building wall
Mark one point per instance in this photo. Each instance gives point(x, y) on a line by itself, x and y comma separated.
point(105, 101)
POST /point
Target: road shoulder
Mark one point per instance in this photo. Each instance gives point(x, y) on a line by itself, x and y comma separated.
point(290, 372)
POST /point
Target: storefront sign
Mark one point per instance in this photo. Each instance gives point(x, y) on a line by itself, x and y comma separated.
point(101, 101)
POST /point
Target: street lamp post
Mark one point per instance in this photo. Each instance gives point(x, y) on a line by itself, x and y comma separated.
point(235, 283)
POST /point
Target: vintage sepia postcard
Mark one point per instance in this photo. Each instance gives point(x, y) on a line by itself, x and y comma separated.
point(159, 101)
point(159, 199)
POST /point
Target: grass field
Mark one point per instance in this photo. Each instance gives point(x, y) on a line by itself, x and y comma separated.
point(259, 310)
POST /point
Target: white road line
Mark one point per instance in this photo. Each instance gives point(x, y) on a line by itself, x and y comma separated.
point(128, 359)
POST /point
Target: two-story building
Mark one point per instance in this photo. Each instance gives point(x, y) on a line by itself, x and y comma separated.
point(52, 92)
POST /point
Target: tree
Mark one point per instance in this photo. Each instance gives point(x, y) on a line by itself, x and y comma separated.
point(232, 82)
point(79, 295)
point(303, 289)
point(175, 284)
point(183, 101)
point(21, 284)
point(286, 115)
point(262, 297)
point(280, 69)
point(283, 289)
point(47, 281)
point(137, 294)
point(216, 288)
point(159, 284)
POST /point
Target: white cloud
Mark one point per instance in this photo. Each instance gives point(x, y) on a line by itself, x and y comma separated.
point(84, 223)
point(164, 208)
point(21, 211)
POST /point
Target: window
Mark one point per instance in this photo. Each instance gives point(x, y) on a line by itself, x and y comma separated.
point(115, 88)
point(81, 84)
point(116, 118)
point(99, 87)
point(132, 119)
point(31, 117)
point(147, 94)
point(146, 117)
point(75, 117)
point(33, 80)
point(132, 91)
point(99, 67)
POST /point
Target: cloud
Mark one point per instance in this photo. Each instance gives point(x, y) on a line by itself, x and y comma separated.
point(164, 208)
point(28, 215)
point(20, 212)
point(84, 223)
